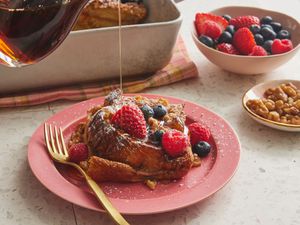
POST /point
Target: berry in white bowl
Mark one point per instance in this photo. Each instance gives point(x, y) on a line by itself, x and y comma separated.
point(251, 41)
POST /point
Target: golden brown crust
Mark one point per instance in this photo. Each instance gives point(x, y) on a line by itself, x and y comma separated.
point(101, 169)
point(104, 13)
point(105, 170)
point(121, 157)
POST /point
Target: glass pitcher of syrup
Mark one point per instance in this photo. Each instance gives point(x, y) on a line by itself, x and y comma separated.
point(32, 29)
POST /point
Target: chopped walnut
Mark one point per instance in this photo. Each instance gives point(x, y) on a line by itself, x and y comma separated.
point(151, 184)
point(281, 104)
point(297, 104)
point(295, 120)
point(153, 123)
point(274, 116)
point(163, 101)
point(269, 104)
point(258, 107)
point(78, 135)
point(290, 90)
point(174, 122)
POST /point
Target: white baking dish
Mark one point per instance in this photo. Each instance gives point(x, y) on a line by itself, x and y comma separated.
point(92, 55)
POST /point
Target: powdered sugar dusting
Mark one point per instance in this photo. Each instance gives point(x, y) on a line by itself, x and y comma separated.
point(215, 167)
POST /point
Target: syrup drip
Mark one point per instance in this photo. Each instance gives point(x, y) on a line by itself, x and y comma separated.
point(120, 46)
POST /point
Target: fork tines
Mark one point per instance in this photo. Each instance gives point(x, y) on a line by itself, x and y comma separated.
point(54, 140)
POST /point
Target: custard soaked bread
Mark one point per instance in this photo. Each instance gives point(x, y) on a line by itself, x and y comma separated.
point(135, 139)
point(104, 13)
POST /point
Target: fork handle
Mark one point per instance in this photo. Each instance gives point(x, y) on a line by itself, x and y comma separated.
point(118, 218)
point(100, 195)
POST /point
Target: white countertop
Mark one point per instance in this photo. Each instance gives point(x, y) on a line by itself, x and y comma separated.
point(265, 189)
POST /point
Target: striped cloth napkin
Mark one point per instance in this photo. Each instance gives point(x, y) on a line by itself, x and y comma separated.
point(180, 68)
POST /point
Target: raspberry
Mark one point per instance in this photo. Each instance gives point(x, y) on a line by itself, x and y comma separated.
point(78, 152)
point(198, 133)
point(243, 41)
point(212, 29)
point(244, 21)
point(201, 18)
point(227, 48)
point(174, 142)
point(281, 46)
point(131, 119)
point(258, 51)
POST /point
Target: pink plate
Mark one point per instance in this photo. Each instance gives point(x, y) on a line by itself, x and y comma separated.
point(135, 198)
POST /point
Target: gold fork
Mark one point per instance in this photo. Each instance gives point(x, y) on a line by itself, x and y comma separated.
point(58, 151)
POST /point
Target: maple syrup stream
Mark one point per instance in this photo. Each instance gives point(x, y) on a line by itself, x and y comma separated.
point(120, 46)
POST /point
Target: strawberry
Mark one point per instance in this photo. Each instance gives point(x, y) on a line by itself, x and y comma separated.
point(131, 119)
point(198, 28)
point(243, 41)
point(227, 48)
point(281, 46)
point(198, 132)
point(258, 51)
point(244, 21)
point(212, 29)
point(201, 18)
point(174, 142)
point(78, 152)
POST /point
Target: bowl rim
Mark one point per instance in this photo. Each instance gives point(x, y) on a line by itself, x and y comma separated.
point(178, 19)
point(261, 118)
point(195, 37)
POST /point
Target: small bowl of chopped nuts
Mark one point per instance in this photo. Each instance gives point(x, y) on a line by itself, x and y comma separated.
point(275, 104)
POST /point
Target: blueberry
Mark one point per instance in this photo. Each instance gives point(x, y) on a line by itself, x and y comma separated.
point(268, 45)
point(230, 29)
point(159, 111)
point(276, 26)
point(225, 37)
point(268, 34)
point(283, 34)
point(227, 17)
point(207, 41)
point(255, 29)
point(259, 39)
point(266, 20)
point(202, 148)
point(157, 135)
point(147, 111)
point(266, 25)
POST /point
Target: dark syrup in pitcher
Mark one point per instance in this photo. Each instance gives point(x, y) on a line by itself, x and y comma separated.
point(31, 29)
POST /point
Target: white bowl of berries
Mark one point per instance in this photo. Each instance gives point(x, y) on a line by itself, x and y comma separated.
point(246, 40)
